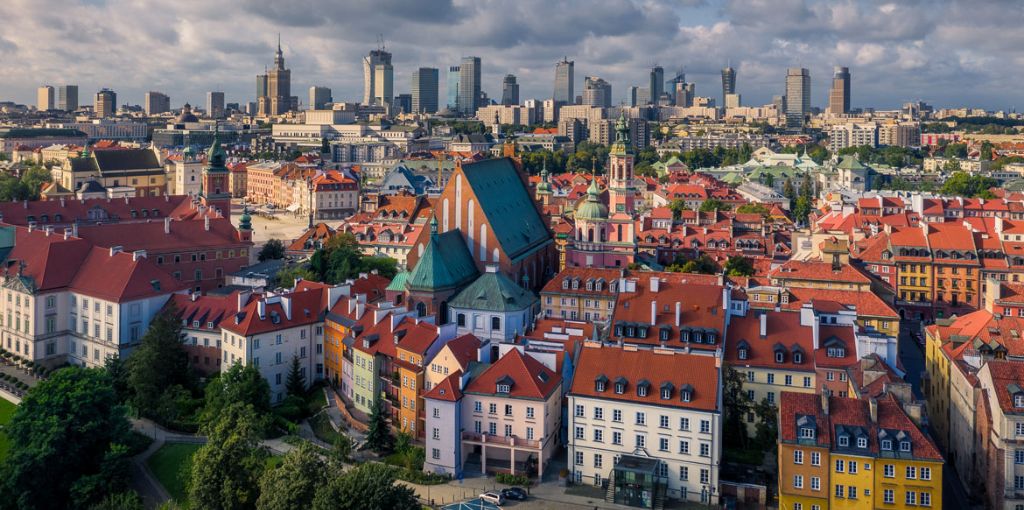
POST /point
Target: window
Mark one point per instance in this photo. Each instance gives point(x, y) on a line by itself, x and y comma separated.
point(663, 422)
point(862, 442)
point(926, 499)
point(840, 467)
point(495, 323)
point(887, 444)
point(911, 498)
point(844, 441)
point(851, 467)
point(641, 418)
point(815, 458)
point(684, 424)
point(435, 453)
point(684, 447)
point(705, 427)
point(888, 496)
point(508, 410)
point(492, 408)
point(705, 476)
point(815, 483)
point(806, 433)
point(598, 436)
point(641, 441)
point(771, 378)
point(478, 407)
point(684, 473)
point(705, 450)
point(508, 430)
point(598, 413)
point(663, 444)
point(579, 410)
point(889, 471)
point(798, 481)
point(616, 415)
point(851, 492)
point(798, 456)
point(616, 437)
point(529, 413)
point(529, 433)
point(437, 433)
point(1020, 428)
point(598, 460)
point(807, 382)
point(926, 473)
point(904, 446)
point(911, 472)
point(579, 458)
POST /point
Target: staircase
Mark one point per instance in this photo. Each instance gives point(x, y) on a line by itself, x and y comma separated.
point(609, 494)
point(659, 497)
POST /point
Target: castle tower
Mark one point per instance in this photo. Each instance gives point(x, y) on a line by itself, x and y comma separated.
point(215, 191)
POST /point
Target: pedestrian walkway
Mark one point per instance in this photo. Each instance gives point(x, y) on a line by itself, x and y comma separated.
point(548, 495)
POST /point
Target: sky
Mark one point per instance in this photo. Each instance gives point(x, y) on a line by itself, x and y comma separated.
point(947, 53)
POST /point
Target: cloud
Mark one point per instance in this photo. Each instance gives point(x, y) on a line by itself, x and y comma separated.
point(948, 52)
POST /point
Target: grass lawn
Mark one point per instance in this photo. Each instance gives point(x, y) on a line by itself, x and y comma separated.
point(170, 464)
point(6, 411)
point(322, 428)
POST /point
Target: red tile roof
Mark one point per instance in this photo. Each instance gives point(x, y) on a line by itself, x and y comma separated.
point(819, 271)
point(119, 278)
point(791, 405)
point(1005, 373)
point(306, 308)
point(700, 307)
point(699, 371)
point(530, 378)
point(783, 331)
point(206, 309)
point(447, 390)
point(891, 416)
point(464, 349)
point(184, 235)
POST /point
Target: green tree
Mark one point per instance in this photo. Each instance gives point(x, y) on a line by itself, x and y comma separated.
point(955, 150)
point(33, 178)
point(341, 450)
point(226, 470)
point(767, 430)
point(128, 500)
point(735, 405)
point(273, 250)
point(378, 437)
point(296, 382)
point(117, 370)
point(158, 364)
point(967, 185)
point(286, 276)
point(713, 204)
point(240, 384)
point(64, 443)
point(754, 208)
point(293, 484)
point(802, 209)
point(677, 206)
point(739, 266)
point(369, 486)
point(341, 258)
point(703, 264)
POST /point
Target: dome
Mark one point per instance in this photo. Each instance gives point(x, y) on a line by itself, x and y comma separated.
point(186, 115)
point(592, 208)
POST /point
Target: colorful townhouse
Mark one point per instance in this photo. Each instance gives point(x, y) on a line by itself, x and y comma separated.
point(416, 344)
point(455, 355)
point(580, 293)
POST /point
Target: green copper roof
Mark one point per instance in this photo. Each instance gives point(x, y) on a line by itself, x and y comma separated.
point(592, 208)
point(621, 145)
point(851, 163)
point(398, 282)
point(507, 206)
point(215, 156)
point(446, 263)
point(494, 292)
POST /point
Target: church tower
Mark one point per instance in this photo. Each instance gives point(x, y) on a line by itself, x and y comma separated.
point(621, 193)
point(215, 191)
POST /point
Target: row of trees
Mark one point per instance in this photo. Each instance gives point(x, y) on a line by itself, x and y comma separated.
point(737, 265)
point(26, 187)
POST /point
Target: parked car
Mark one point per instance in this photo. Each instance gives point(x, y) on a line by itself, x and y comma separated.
point(493, 497)
point(516, 493)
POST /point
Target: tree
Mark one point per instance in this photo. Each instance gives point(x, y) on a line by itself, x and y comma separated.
point(713, 204)
point(226, 470)
point(789, 191)
point(117, 370)
point(678, 206)
point(294, 483)
point(802, 209)
point(341, 258)
point(128, 500)
point(739, 266)
point(703, 264)
point(967, 185)
point(341, 451)
point(159, 364)
point(273, 250)
point(767, 430)
point(240, 384)
point(735, 405)
point(34, 178)
point(378, 437)
point(63, 443)
point(368, 486)
point(754, 208)
point(296, 382)
point(286, 277)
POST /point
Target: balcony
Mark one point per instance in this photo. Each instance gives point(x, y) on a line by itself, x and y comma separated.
point(511, 441)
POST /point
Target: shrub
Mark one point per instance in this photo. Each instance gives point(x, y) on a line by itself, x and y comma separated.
point(508, 479)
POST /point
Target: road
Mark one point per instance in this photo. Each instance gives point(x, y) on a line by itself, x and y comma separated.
point(911, 355)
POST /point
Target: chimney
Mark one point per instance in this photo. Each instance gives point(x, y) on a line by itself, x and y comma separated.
point(679, 313)
point(194, 296)
point(654, 313)
point(138, 255)
point(914, 411)
point(31, 226)
point(286, 304)
point(167, 225)
point(824, 402)
point(261, 308)
point(764, 324)
point(655, 284)
point(360, 310)
point(67, 233)
point(48, 229)
point(115, 250)
point(873, 409)
point(243, 298)
point(74, 229)
point(206, 223)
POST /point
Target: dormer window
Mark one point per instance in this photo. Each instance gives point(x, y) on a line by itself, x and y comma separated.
point(844, 441)
point(862, 442)
point(620, 385)
point(685, 395)
point(195, 324)
point(575, 284)
point(743, 354)
point(1018, 401)
point(887, 445)
point(798, 357)
point(779, 357)
point(666, 393)
point(590, 285)
point(565, 283)
point(600, 383)
point(663, 334)
point(836, 352)
point(904, 446)
point(806, 433)
point(641, 388)
point(503, 388)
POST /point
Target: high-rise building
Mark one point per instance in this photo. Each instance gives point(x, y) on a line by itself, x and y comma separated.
point(402, 103)
point(564, 79)
point(671, 85)
point(452, 84)
point(631, 94)
point(732, 100)
point(798, 96)
point(424, 90)
point(156, 103)
point(106, 103)
point(728, 83)
point(469, 85)
point(643, 96)
point(67, 97)
point(509, 90)
point(261, 86)
point(279, 86)
point(597, 92)
point(319, 97)
point(215, 104)
point(683, 94)
point(839, 95)
point(44, 98)
point(657, 83)
point(378, 78)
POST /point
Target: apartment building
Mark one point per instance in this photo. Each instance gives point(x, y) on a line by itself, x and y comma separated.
point(580, 293)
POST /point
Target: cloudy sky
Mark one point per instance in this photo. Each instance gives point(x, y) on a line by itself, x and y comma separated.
point(947, 53)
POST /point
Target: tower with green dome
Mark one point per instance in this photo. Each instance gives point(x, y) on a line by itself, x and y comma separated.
point(214, 190)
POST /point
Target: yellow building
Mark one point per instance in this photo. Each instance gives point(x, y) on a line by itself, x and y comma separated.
point(870, 452)
point(413, 346)
point(581, 293)
point(455, 355)
point(936, 383)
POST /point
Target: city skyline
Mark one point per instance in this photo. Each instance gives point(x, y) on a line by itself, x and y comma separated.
point(896, 53)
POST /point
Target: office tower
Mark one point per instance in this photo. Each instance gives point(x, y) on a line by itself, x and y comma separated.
point(657, 82)
point(261, 86)
point(683, 94)
point(156, 103)
point(424, 90)
point(67, 97)
point(378, 78)
point(44, 98)
point(839, 95)
point(631, 95)
point(279, 85)
point(106, 103)
point(798, 96)
point(780, 104)
point(728, 83)
point(643, 96)
point(452, 83)
point(319, 97)
point(564, 79)
point(402, 103)
point(215, 105)
point(597, 92)
point(671, 85)
point(509, 90)
point(469, 85)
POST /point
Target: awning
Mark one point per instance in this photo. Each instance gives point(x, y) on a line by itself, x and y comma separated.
point(292, 208)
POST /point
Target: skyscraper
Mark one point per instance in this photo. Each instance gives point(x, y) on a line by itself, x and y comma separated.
point(424, 90)
point(564, 79)
point(278, 96)
point(509, 90)
point(106, 103)
point(44, 98)
point(597, 92)
point(798, 96)
point(156, 103)
point(839, 95)
point(469, 85)
point(402, 103)
point(261, 86)
point(728, 83)
point(452, 83)
point(657, 83)
point(215, 104)
point(67, 97)
point(378, 78)
point(631, 95)
point(319, 97)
